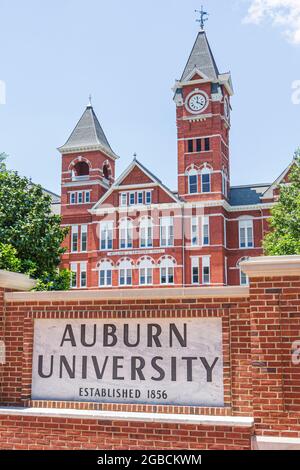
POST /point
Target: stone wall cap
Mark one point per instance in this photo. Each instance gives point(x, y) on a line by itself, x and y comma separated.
point(129, 294)
point(209, 420)
point(271, 266)
point(16, 281)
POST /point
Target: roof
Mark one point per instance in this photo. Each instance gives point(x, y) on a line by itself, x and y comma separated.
point(202, 59)
point(88, 135)
point(247, 195)
point(117, 183)
point(55, 198)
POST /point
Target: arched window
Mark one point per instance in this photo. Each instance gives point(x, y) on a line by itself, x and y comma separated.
point(81, 170)
point(125, 272)
point(167, 265)
point(146, 232)
point(146, 271)
point(105, 273)
point(193, 181)
point(106, 170)
point(125, 233)
point(206, 180)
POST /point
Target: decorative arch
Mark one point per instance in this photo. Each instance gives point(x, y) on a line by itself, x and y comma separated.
point(106, 170)
point(105, 264)
point(79, 160)
point(206, 168)
point(125, 263)
point(145, 262)
point(167, 261)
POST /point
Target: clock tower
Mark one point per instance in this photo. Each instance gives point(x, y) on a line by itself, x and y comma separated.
point(202, 98)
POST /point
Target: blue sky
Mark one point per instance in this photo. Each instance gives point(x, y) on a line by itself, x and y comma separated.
point(128, 55)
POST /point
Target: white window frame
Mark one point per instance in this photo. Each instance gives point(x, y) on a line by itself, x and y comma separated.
point(127, 226)
point(83, 230)
point(83, 270)
point(140, 193)
point(205, 223)
point(129, 202)
point(87, 200)
point(105, 267)
point(123, 199)
point(244, 279)
point(73, 269)
point(195, 223)
point(191, 174)
point(74, 233)
point(195, 265)
point(73, 195)
point(204, 173)
point(167, 224)
point(148, 193)
point(106, 228)
point(245, 225)
point(167, 266)
point(127, 267)
point(205, 265)
point(148, 228)
point(80, 194)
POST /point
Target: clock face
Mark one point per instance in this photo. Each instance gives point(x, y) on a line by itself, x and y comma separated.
point(197, 103)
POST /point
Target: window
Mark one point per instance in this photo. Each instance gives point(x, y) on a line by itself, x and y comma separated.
point(123, 199)
point(73, 281)
point(205, 181)
point(131, 199)
point(140, 198)
point(167, 271)
point(207, 144)
point(244, 280)
point(224, 184)
point(195, 270)
point(83, 238)
point(80, 171)
point(146, 270)
point(193, 182)
point(106, 235)
point(246, 233)
point(190, 146)
point(198, 145)
point(125, 273)
point(83, 282)
point(166, 231)
point(205, 231)
point(80, 197)
point(194, 231)
point(87, 197)
point(126, 234)
point(74, 238)
point(205, 270)
point(72, 198)
point(105, 274)
point(146, 233)
point(148, 197)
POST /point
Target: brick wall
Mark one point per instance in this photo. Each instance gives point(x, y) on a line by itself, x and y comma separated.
point(259, 325)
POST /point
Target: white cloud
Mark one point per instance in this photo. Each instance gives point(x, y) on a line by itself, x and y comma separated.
point(284, 13)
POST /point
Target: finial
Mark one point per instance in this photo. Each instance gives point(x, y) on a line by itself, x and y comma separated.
point(134, 156)
point(203, 17)
point(90, 101)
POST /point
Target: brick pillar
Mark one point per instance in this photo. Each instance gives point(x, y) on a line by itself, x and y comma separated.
point(275, 325)
point(2, 344)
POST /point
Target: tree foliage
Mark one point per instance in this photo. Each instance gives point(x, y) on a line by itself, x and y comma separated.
point(284, 237)
point(29, 232)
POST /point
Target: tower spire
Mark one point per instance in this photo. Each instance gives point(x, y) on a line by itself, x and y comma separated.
point(203, 17)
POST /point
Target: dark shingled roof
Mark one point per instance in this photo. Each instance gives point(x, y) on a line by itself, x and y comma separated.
point(247, 195)
point(201, 58)
point(88, 133)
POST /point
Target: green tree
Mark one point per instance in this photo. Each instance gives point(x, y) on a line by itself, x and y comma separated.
point(29, 231)
point(284, 237)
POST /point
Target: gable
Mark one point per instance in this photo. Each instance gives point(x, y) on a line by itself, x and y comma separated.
point(136, 176)
point(273, 190)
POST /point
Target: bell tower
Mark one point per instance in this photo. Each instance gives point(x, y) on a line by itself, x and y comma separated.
point(88, 166)
point(202, 98)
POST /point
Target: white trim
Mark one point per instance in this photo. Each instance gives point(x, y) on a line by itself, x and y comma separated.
point(274, 266)
point(276, 443)
point(16, 281)
point(205, 420)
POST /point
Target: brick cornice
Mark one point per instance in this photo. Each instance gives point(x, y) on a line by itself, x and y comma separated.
point(272, 266)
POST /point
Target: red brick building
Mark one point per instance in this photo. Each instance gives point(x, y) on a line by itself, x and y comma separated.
point(133, 230)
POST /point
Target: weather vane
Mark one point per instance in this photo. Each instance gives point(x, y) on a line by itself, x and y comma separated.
point(203, 17)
